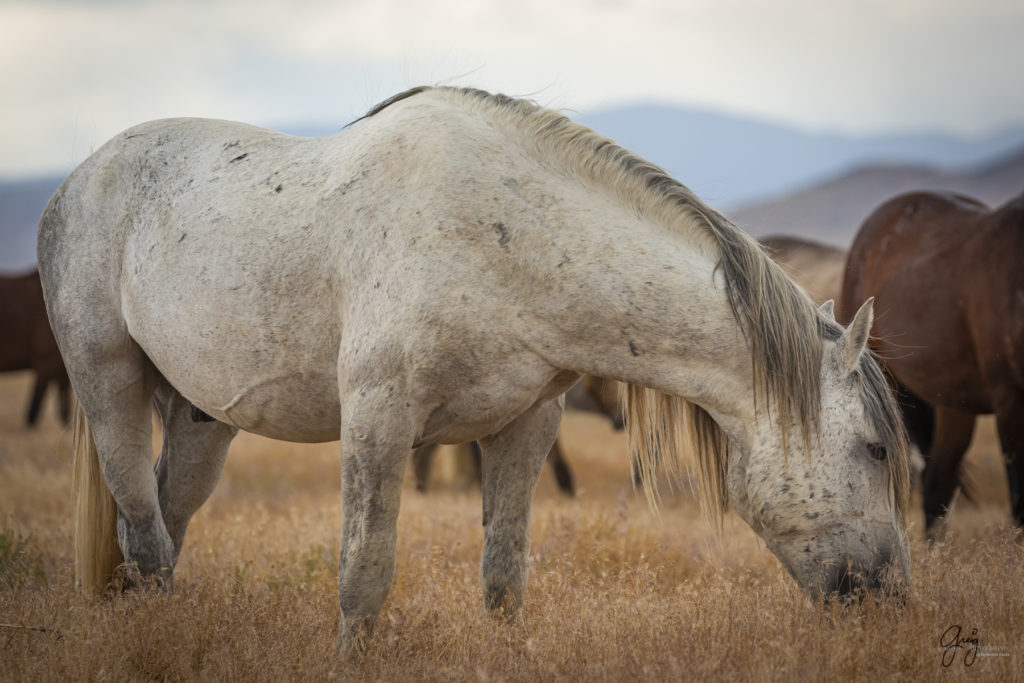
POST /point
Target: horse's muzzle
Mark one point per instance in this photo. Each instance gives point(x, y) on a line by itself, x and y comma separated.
point(852, 581)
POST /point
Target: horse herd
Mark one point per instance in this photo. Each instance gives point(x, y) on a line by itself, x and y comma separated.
point(237, 278)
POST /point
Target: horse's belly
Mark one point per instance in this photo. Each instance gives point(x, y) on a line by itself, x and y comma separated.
point(484, 409)
point(276, 378)
point(277, 401)
point(290, 409)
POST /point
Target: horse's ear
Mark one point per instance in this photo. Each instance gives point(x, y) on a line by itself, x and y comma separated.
point(855, 338)
point(828, 309)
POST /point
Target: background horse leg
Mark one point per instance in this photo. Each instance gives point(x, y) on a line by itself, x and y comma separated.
point(36, 402)
point(512, 461)
point(953, 431)
point(560, 468)
point(1010, 423)
point(190, 462)
point(65, 397)
point(918, 418)
point(422, 461)
point(375, 440)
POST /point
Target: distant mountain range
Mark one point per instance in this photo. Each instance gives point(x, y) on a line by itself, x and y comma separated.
point(21, 204)
point(832, 211)
point(764, 175)
point(732, 162)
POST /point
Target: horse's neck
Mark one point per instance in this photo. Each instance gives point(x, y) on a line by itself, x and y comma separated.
point(652, 310)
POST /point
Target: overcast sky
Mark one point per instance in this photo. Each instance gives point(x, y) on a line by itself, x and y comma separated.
point(75, 72)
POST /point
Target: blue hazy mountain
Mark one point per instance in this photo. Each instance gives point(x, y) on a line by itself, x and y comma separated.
point(731, 161)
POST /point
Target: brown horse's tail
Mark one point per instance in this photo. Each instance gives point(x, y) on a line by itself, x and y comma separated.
point(97, 554)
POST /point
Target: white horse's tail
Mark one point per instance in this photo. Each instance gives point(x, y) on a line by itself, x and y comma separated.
point(97, 553)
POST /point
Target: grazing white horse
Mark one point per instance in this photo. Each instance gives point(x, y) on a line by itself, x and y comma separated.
point(291, 287)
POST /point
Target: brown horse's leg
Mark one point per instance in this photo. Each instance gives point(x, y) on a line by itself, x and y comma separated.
point(38, 391)
point(65, 397)
point(918, 418)
point(560, 467)
point(422, 460)
point(953, 431)
point(1010, 423)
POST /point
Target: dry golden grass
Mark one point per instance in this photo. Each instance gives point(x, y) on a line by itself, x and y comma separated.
point(614, 594)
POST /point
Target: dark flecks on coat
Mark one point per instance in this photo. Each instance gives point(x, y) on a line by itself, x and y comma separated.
point(503, 234)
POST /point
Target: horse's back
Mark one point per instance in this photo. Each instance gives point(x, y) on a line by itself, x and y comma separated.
point(915, 237)
point(264, 258)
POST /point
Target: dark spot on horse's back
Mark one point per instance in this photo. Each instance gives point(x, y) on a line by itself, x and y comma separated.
point(239, 157)
point(503, 234)
point(183, 236)
point(633, 348)
point(279, 188)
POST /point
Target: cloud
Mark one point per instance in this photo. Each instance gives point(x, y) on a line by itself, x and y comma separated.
point(75, 73)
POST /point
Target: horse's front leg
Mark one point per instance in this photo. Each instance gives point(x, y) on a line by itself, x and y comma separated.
point(376, 435)
point(512, 461)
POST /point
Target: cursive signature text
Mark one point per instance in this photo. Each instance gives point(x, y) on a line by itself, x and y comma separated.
point(952, 640)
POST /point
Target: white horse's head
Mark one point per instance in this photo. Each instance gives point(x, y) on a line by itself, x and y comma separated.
point(834, 516)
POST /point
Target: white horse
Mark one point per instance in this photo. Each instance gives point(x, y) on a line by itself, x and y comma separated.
point(291, 287)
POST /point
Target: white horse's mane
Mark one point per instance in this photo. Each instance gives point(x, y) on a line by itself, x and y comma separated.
point(783, 327)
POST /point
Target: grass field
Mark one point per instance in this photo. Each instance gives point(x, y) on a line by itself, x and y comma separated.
point(615, 593)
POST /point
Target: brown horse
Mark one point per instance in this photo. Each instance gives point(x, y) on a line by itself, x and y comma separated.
point(947, 274)
point(818, 268)
point(27, 343)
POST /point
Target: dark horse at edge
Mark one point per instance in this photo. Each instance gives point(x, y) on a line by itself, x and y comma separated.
point(27, 343)
point(947, 274)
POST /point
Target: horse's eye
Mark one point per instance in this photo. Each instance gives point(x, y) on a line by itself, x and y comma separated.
point(878, 451)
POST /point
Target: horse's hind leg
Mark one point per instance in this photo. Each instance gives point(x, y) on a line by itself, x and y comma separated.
point(512, 461)
point(1010, 423)
point(115, 383)
point(953, 431)
point(190, 462)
